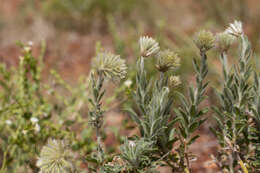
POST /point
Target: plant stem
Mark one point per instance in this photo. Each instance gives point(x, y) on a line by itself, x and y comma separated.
point(241, 163)
point(4, 161)
point(186, 170)
point(99, 119)
point(99, 149)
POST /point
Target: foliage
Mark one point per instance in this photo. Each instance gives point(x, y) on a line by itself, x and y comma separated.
point(32, 111)
point(237, 116)
point(84, 13)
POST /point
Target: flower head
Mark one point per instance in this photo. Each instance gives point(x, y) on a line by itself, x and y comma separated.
point(8, 122)
point(174, 81)
point(235, 28)
point(167, 60)
point(55, 157)
point(34, 120)
point(204, 40)
point(224, 41)
point(148, 46)
point(128, 83)
point(110, 65)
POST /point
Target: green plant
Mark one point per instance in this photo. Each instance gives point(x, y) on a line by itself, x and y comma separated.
point(159, 128)
point(85, 13)
point(154, 101)
point(32, 111)
point(237, 116)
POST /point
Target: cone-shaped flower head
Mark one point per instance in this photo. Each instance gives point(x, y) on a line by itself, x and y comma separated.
point(235, 28)
point(148, 46)
point(55, 157)
point(167, 60)
point(174, 81)
point(204, 40)
point(224, 41)
point(110, 65)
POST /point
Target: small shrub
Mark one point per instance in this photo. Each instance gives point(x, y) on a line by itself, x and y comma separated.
point(166, 131)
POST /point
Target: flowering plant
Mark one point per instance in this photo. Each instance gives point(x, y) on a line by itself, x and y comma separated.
point(164, 130)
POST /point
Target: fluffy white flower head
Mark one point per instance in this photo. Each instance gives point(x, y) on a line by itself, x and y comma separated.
point(148, 46)
point(34, 120)
point(8, 122)
point(167, 60)
point(55, 157)
point(235, 28)
point(110, 65)
point(128, 83)
point(224, 41)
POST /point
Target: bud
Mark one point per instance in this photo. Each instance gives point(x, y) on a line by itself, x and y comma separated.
point(174, 81)
point(167, 60)
point(235, 29)
point(148, 46)
point(55, 157)
point(224, 41)
point(204, 40)
point(110, 65)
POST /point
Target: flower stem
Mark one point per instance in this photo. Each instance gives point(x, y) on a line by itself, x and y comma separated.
point(186, 170)
point(2, 170)
point(241, 163)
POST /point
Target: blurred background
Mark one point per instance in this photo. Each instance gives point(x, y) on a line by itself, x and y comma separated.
point(71, 29)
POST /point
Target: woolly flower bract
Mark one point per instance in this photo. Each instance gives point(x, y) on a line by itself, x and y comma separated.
point(174, 81)
point(166, 60)
point(148, 46)
point(224, 41)
point(110, 65)
point(235, 28)
point(204, 40)
point(55, 157)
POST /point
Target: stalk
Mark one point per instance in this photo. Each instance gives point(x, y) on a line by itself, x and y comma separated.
point(2, 170)
point(241, 163)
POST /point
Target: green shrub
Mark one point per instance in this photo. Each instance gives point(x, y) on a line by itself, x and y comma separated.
point(80, 14)
point(32, 111)
point(166, 131)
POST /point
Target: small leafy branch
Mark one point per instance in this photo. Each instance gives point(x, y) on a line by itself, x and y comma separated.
point(154, 103)
point(105, 65)
point(159, 128)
